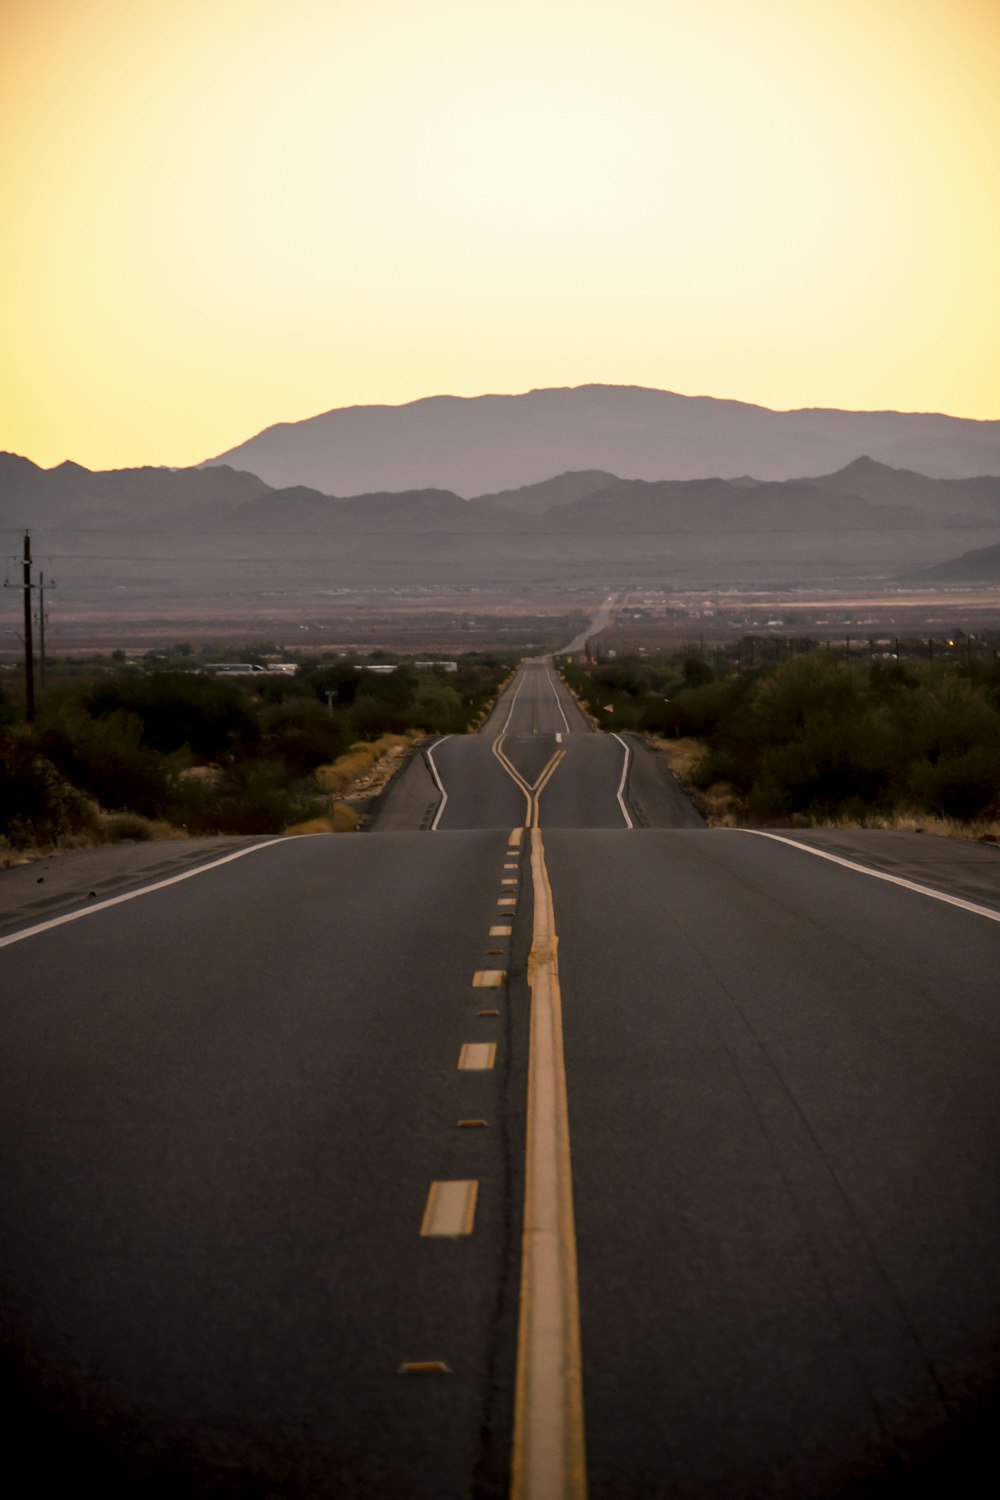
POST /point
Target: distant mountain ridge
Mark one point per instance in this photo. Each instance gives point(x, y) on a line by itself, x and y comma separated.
point(202, 526)
point(495, 444)
point(863, 494)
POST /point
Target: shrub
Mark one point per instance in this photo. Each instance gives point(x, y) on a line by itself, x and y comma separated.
point(107, 758)
point(177, 710)
point(120, 827)
point(37, 804)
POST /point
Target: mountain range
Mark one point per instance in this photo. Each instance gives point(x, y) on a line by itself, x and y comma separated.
point(217, 528)
point(488, 444)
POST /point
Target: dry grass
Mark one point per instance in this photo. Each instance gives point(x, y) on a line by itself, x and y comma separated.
point(120, 826)
point(682, 756)
point(107, 828)
point(918, 822)
point(360, 772)
point(341, 819)
point(355, 771)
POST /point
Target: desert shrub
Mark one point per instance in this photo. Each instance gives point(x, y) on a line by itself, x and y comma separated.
point(121, 827)
point(108, 759)
point(37, 804)
point(964, 786)
point(179, 709)
point(253, 797)
point(699, 710)
point(341, 819)
point(437, 707)
point(299, 733)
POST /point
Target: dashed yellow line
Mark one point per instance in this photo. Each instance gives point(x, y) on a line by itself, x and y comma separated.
point(488, 979)
point(477, 1057)
point(450, 1210)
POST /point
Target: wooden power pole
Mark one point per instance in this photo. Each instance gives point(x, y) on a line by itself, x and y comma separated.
point(29, 653)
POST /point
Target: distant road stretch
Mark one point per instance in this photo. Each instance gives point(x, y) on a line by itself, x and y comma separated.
point(541, 1141)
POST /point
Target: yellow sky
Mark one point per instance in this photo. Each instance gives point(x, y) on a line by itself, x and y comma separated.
point(220, 214)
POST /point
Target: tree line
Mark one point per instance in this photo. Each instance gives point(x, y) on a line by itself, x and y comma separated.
point(205, 754)
point(819, 738)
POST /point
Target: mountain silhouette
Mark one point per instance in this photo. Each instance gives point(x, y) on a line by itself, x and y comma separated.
point(490, 444)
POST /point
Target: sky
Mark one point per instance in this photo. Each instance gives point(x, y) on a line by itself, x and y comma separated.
point(220, 214)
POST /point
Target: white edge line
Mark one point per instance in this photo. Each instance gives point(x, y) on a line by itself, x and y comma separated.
point(439, 783)
point(555, 695)
point(146, 890)
point(512, 705)
point(849, 864)
point(621, 784)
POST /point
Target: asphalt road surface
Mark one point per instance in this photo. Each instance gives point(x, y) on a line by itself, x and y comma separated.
point(713, 1119)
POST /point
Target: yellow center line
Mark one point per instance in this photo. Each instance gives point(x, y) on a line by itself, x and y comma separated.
point(477, 1057)
point(533, 790)
point(543, 782)
point(549, 1455)
point(450, 1210)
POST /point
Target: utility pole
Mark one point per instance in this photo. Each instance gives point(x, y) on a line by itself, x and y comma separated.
point(26, 639)
point(41, 628)
point(29, 652)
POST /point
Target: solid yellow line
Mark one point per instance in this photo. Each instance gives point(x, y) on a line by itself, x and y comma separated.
point(516, 835)
point(550, 765)
point(514, 774)
point(549, 1454)
point(542, 783)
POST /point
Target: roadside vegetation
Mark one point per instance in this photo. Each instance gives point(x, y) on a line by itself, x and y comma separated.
point(816, 739)
point(150, 750)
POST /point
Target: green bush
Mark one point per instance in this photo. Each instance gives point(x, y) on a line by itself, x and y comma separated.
point(37, 804)
point(817, 737)
point(179, 710)
point(108, 759)
point(252, 798)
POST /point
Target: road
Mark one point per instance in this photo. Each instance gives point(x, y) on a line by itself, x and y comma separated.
point(745, 1245)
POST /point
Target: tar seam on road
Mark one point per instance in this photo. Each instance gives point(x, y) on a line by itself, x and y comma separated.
point(621, 784)
point(849, 864)
point(548, 1460)
point(146, 890)
point(437, 781)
